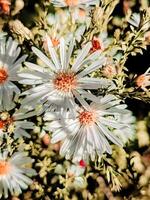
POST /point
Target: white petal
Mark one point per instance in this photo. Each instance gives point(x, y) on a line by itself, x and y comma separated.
point(44, 58)
point(81, 56)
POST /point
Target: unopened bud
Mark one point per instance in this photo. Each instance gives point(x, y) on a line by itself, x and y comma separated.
point(4, 116)
point(137, 162)
point(147, 37)
point(109, 71)
point(46, 139)
point(19, 4)
point(142, 134)
point(15, 198)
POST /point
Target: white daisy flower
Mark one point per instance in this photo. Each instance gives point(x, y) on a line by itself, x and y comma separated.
point(14, 173)
point(16, 123)
point(61, 17)
point(9, 65)
point(74, 3)
point(87, 134)
point(60, 21)
point(62, 81)
point(80, 15)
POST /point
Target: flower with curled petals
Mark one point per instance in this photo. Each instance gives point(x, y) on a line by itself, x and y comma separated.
point(64, 78)
point(88, 133)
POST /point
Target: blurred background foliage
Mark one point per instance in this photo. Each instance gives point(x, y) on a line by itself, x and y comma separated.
point(126, 174)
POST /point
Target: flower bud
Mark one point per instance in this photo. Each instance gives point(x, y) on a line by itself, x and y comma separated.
point(19, 5)
point(147, 37)
point(36, 129)
point(109, 71)
point(4, 116)
point(46, 139)
point(137, 163)
point(15, 198)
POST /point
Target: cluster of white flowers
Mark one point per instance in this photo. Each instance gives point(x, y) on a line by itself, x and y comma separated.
point(84, 122)
point(14, 169)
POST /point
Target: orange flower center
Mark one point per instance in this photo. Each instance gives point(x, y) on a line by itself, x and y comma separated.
point(4, 167)
point(5, 6)
point(65, 81)
point(82, 163)
point(55, 42)
point(3, 76)
point(96, 45)
point(5, 123)
point(82, 13)
point(86, 118)
point(71, 2)
point(2, 124)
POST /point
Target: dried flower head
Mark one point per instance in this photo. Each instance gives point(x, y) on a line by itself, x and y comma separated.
point(109, 71)
point(143, 81)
